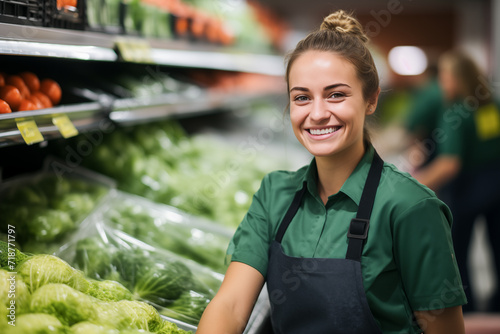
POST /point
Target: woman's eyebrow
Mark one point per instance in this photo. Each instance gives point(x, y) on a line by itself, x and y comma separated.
point(303, 89)
point(336, 85)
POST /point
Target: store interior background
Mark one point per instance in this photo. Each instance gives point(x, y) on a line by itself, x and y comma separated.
point(262, 128)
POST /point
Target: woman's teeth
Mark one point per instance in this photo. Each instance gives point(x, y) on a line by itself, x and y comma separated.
point(323, 131)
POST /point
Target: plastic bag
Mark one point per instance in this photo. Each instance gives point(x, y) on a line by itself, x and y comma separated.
point(155, 275)
point(166, 227)
point(47, 206)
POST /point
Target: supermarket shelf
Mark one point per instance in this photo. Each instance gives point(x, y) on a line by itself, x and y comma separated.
point(97, 115)
point(85, 116)
point(133, 111)
point(86, 45)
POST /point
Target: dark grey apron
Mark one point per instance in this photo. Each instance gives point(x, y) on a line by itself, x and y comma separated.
point(317, 295)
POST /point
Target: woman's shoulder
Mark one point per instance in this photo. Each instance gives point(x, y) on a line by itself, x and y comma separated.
point(285, 180)
point(402, 187)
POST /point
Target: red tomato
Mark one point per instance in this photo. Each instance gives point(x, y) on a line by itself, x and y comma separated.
point(18, 82)
point(27, 105)
point(31, 80)
point(4, 107)
point(44, 99)
point(11, 95)
point(52, 89)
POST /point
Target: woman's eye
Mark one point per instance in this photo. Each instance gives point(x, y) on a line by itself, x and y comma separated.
point(300, 98)
point(337, 95)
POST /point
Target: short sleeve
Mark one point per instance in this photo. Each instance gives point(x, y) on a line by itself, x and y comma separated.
point(424, 254)
point(451, 140)
point(251, 241)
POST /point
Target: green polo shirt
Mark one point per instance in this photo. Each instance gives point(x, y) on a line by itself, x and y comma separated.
point(427, 106)
point(408, 261)
point(474, 136)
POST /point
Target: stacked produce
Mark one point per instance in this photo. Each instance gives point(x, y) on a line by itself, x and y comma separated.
point(215, 22)
point(199, 175)
point(50, 296)
point(46, 208)
point(25, 91)
point(178, 287)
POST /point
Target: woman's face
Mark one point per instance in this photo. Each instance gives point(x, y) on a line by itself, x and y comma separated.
point(448, 82)
point(327, 108)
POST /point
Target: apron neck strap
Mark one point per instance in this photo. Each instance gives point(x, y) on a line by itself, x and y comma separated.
point(358, 229)
point(291, 212)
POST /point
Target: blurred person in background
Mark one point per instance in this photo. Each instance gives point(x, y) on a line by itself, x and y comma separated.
point(466, 170)
point(423, 118)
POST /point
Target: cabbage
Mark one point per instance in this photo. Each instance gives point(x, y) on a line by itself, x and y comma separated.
point(21, 292)
point(127, 314)
point(39, 270)
point(86, 327)
point(94, 257)
point(6, 257)
point(36, 323)
point(67, 304)
point(188, 308)
point(156, 280)
point(108, 291)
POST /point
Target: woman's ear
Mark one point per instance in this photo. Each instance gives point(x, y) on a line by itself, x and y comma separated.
point(372, 102)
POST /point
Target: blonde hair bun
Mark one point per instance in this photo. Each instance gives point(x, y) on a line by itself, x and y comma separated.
point(342, 22)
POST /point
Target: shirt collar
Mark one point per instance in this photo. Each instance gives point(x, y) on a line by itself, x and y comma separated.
point(353, 186)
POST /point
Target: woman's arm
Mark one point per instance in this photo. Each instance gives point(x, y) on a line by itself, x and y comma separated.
point(229, 310)
point(445, 321)
point(439, 172)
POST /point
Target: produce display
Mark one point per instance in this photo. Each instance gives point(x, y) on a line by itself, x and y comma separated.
point(178, 287)
point(241, 24)
point(47, 207)
point(198, 175)
point(53, 297)
point(167, 228)
point(25, 91)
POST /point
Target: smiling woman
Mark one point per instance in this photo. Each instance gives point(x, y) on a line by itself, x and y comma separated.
point(347, 244)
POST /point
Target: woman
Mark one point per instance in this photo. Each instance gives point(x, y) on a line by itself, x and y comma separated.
point(326, 269)
point(466, 171)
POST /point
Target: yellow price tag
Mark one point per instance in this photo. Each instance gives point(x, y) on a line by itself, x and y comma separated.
point(29, 131)
point(134, 50)
point(66, 128)
point(487, 122)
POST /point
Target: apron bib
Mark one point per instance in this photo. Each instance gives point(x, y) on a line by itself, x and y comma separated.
point(318, 295)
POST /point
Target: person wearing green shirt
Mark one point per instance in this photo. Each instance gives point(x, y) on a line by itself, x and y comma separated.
point(466, 171)
point(347, 244)
point(423, 118)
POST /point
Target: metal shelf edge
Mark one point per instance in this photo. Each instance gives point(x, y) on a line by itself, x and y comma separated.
point(87, 45)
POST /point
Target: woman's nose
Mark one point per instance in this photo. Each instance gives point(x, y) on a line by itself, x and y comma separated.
point(319, 110)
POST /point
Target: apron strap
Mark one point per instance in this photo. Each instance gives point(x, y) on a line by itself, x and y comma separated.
point(358, 229)
point(292, 210)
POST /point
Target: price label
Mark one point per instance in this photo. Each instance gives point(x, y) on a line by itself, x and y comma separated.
point(29, 131)
point(134, 50)
point(66, 128)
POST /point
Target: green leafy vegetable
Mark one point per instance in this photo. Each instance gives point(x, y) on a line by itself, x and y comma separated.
point(15, 255)
point(67, 304)
point(157, 281)
point(108, 291)
point(46, 208)
point(39, 270)
point(36, 323)
point(127, 314)
point(86, 327)
point(188, 308)
point(12, 288)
